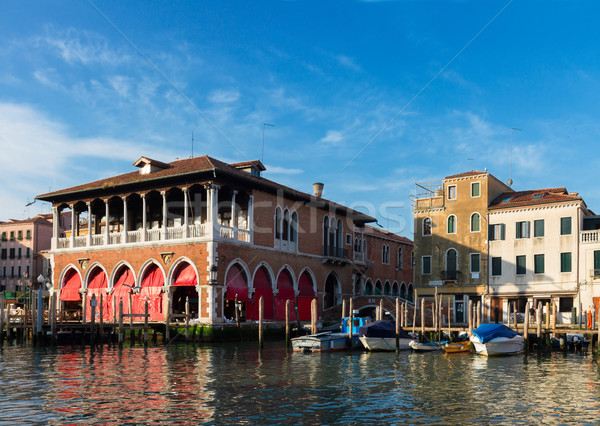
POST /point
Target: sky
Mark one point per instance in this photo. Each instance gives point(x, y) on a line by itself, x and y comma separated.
point(369, 97)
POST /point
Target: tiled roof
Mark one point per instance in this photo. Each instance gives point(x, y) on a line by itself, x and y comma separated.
point(386, 234)
point(189, 166)
point(36, 219)
point(466, 174)
point(508, 200)
point(255, 163)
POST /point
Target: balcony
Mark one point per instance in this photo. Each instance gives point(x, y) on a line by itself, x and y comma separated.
point(588, 237)
point(450, 275)
point(334, 254)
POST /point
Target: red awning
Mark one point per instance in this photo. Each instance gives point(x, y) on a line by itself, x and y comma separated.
point(285, 287)
point(262, 288)
point(186, 276)
point(236, 284)
point(70, 289)
point(153, 278)
point(124, 284)
point(305, 288)
point(98, 280)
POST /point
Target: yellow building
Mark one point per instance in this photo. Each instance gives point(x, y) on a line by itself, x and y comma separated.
point(450, 237)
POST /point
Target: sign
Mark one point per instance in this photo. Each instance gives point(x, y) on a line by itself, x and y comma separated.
point(435, 283)
point(93, 303)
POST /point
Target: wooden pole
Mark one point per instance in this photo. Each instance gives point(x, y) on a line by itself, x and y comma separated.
point(313, 316)
point(287, 322)
point(146, 322)
point(440, 315)
point(509, 314)
point(470, 317)
point(598, 323)
point(53, 317)
point(434, 311)
point(547, 315)
point(351, 315)
point(343, 309)
point(260, 322)
point(415, 304)
point(84, 308)
point(114, 305)
point(237, 313)
point(422, 318)
point(526, 326)
point(130, 309)
point(8, 327)
point(33, 316)
point(397, 324)
point(539, 321)
point(478, 311)
point(120, 322)
point(1, 316)
point(516, 310)
point(187, 318)
point(93, 318)
point(167, 328)
point(101, 309)
point(380, 309)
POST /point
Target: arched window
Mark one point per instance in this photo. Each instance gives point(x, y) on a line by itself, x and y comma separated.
point(364, 247)
point(403, 291)
point(294, 228)
point(475, 222)
point(278, 223)
point(387, 289)
point(451, 264)
point(378, 288)
point(325, 231)
point(339, 234)
point(369, 288)
point(286, 225)
point(399, 264)
point(412, 259)
point(395, 289)
point(451, 224)
point(426, 226)
point(332, 290)
point(410, 293)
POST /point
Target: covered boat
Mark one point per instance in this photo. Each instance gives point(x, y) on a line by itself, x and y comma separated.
point(496, 339)
point(381, 336)
point(417, 346)
point(329, 341)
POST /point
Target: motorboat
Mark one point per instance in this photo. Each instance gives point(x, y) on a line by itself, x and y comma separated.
point(496, 339)
point(417, 346)
point(329, 341)
point(381, 336)
point(457, 347)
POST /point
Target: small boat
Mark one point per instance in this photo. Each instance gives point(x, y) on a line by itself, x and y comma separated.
point(381, 336)
point(329, 341)
point(426, 347)
point(496, 339)
point(457, 347)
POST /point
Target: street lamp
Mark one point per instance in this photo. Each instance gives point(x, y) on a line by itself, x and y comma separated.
point(213, 274)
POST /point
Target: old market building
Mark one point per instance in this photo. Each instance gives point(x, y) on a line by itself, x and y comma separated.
point(211, 232)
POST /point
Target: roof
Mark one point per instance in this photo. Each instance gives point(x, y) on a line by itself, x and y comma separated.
point(466, 174)
point(382, 233)
point(145, 160)
point(188, 168)
point(40, 219)
point(508, 200)
point(253, 163)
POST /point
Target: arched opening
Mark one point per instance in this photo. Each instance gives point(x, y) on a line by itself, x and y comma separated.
point(331, 291)
point(184, 289)
point(306, 294)
point(121, 290)
point(403, 291)
point(395, 291)
point(369, 288)
point(236, 284)
point(357, 285)
point(378, 288)
point(387, 289)
point(97, 284)
point(151, 291)
point(451, 264)
point(262, 288)
point(285, 291)
point(69, 294)
point(410, 293)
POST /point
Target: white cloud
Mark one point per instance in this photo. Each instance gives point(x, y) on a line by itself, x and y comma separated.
point(333, 137)
point(277, 170)
point(224, 96)
point(348, 62)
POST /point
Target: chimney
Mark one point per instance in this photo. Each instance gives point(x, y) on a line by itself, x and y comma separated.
point(318, 189)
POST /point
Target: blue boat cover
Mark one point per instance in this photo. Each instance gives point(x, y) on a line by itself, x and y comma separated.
point(382, 328)
point(487, 332)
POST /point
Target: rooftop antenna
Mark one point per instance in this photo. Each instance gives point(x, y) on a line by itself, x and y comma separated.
point(468, 164)
point(192, 144)
point(262, 156)
point(509, 182)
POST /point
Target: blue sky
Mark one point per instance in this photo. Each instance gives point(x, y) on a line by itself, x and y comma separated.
point(366, 96)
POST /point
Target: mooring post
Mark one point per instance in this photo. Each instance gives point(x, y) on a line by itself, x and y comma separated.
point(343, 309)
point(434, 310)
point(547, 316)
point(415, 304)
point(167, 332)
point(287, 322)
point(93, 318)
point(33, 318)
point(146, 323)
point(260, 322)
point(237, 313)
point(510, 308)
point(350, 320)
point(539, 325)
point(313, 316)
point(422, 317)
point(53, 318)
point(101, 310)
point(397, 324)
point(1, 316)
point(449, 320)
point(470, 317)
point(598, 336)
point(526, 327)
point(380, 309)
point(84, 308)
point(187, 319)
point(120, 322)
point(130, 309)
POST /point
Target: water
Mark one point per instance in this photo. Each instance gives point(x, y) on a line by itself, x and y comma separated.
point(234, 384)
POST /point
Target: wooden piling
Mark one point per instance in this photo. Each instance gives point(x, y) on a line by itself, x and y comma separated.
point(84, 308)
point(120, 322)
point(509, 314)
point(547, 315)
point(8, 327)
point(434, 309)
point(422, 317)
point(187, 319)
point(287, 322)
point(146, 323)
point(526, 326)
point(101, 309)
point(539, 322)
point(313, 316)
point(470, 317)
point(237, 313)
point(397, 324)
point(92, 318)
point(114, 305)
point(53, 332)
point(351, 319)
point(516, 319)
point(449, 320)
point(380, 309)
point(1, 316)
point(260, 322)
point(130, 309)
point(343, 309)
point(415, 304)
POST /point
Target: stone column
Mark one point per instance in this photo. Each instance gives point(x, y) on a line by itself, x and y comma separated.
point(107, 222)
point(73, 227)
point(88, 241)
point(233, 223)
point(125, 221)
point(185, 214)
point(144, 218)
point(199, 291)
point(55, 227)
point(163, 231)
point(251, 218)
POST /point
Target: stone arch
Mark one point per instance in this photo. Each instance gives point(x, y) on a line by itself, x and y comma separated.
point(306, 293)
point(311, 275)
point(387, 288)
point(151, 281)
point(237, 285)
point(395, 289)
point(70, 284)
point(286, 287)
point(378, 288)
point(332, 291)
point(262, 286)
point(369, 288)
point(182, 282)
point(96, 286)
point(115, 274)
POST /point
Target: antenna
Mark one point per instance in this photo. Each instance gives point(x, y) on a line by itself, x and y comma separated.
point(262, 156)
point(510, 181)
point(192, 144)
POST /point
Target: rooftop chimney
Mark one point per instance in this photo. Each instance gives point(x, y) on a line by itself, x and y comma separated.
point(318, 189)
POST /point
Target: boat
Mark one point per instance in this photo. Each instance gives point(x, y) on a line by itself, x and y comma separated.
point(330, 341)
point(381, 336)
point(496, 339)
point(457, 347)
point(426, 347)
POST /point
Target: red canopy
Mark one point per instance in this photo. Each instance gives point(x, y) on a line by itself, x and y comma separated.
point(236, 284)
point(71, 286)
point(186, 276)
point(98, 279)
point(286, 292)
point(96, 286)
point(306, 294)
point(124, 284)
point(151, 291)
point(262, 287)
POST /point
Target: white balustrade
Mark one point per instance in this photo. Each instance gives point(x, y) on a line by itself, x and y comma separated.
point(590, 236)
point(174, 232)
point(64, 243)
point(134, 236)
point(81, 241)
point(114, 238)
point(97, 239)
point(153, 235)
point(225, 231)
point(244, 235)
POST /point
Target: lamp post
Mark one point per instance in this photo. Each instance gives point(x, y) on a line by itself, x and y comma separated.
point(213, 274)
point(40, 302)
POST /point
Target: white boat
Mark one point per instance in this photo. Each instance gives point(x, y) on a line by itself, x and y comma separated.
point(381, 336)
point(415, 345)
point(496, 339)
point(329, 341)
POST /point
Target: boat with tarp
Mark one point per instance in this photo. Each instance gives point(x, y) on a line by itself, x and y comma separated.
point(381, 336)
point(330, 341)
point(496, 339)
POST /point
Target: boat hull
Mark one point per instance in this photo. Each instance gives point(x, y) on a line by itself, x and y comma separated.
point(426, 347)
point(499, 346)
point(321, 342)
point(384, 343)
point(453, 348)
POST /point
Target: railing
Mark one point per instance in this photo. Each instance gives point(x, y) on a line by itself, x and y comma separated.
point(244, 235)
point(175, 232)
point(98, 240)
point(64, 243)
point(226, 232)
point(450, 275)
point(114, 238)
point(338, 252)
point(134, 236)
point(153, 234)
point(81, 241)
point(197, 231)
point(590, 236)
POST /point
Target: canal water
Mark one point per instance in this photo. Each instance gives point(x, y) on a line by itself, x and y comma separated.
point(237, 384)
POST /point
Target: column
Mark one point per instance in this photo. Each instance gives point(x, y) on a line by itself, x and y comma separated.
point(214, 197)
point(125, 227)
point(251, 218)
point(55, 227)
point(144, 221)
point(72, 243)
point(185, 213)
point(212, 308)
point(233, 222)
point(163, 231)
point(107, 222)
point(199, 291)
point(88, 241)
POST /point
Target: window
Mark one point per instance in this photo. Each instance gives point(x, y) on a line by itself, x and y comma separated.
point(475, 262)
point(475, 222)
point(452, 192)
point(285, 231)
point(412, 259)
point(27, 271)
point(4, 252)
point(12, 271)
point(19, 272)
point(538, 228)
point(4, 236)
point(565, 262)
point(596, 272)
point(497, 232)
point(521, 265)
point(496, 266)
point(348, 239)
point(565, 304)
point(28, 234)
point(20, 235)
point(294, 229)
point(277, 223)
point(426, 265)
point(27, 252)
point(475, 189)
point(4, 272)
point(399, 264)
point(19, 253)
point(385, 254)
point(565, 226)
point(538, 263)
point(12, 235)
point(11, 253)
point(451, 224)
point(522, 230)
point(426, 226)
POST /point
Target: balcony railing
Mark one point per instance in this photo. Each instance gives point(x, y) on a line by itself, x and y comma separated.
point(590, 236)
point(338, 252)
point(450, 275)
point(81, 241)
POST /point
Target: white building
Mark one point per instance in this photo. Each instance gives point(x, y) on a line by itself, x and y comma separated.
point(534, 252)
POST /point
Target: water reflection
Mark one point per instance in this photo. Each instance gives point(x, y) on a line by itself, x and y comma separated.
point(233, 383)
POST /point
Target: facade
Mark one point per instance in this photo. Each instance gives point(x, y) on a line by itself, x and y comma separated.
point(212, 233)
point(20, 243)
point(450, 234)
